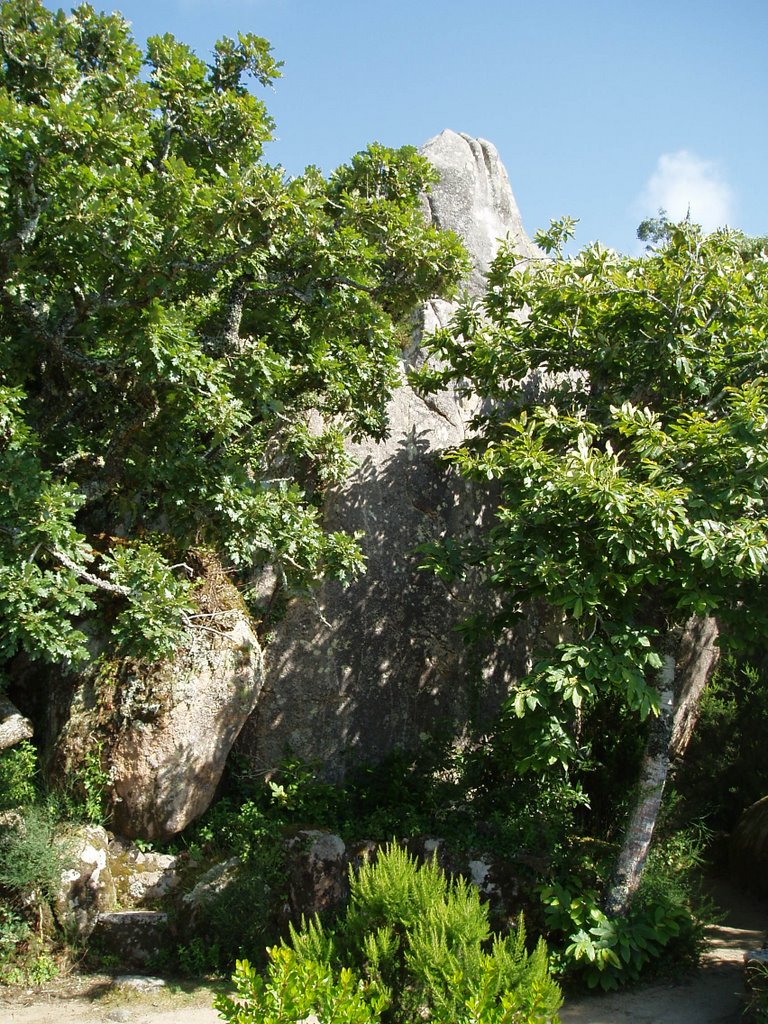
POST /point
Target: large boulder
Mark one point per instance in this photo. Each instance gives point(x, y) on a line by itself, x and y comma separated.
point(165, 769)
point(372, 667)
point(162, 731)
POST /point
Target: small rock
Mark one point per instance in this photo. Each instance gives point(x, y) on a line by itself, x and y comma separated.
point(138, 982)
point(141, 879)
point(119, 1015)
point(317, 870)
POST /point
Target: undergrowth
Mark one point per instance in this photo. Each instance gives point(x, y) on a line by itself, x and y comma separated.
point(411, 945)
point(559, 834)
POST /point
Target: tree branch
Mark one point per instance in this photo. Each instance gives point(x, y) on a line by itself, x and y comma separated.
point(88, 577)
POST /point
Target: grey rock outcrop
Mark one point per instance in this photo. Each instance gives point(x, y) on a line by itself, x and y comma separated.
point(141, 879)
point(370, 668)
point(474, 199)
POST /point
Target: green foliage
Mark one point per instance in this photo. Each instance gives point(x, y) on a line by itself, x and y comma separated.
point(663, 930)
point(630, 464)
point(18, 768)
point(294, 989)
point(407, 793)
point(13, 931)
point(242, 916)
point(30, 854)
point(93, 781)
point(172, 310)
point(608, 952)
point(412, 944)
point(199, 958)
point(23, 959)
point(655, 230)
point(240, 920)
point(756, 1009)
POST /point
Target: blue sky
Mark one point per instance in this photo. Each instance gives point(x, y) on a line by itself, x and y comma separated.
point(600, 110)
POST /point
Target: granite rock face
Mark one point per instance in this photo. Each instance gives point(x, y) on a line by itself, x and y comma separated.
point(360, 671)
point(165, 766)
point(87, 887)
point(475, 200)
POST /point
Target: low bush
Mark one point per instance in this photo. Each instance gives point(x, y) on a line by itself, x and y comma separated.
point(30, 856)
point(412, 944)
point(18, 769)
point(757, 992)
point(663, 929)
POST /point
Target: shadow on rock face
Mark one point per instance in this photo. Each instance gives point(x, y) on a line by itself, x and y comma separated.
point(371, 668)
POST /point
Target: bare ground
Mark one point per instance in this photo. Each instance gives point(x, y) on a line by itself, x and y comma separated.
point(98, 1000)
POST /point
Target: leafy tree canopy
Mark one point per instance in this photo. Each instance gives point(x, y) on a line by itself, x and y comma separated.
point(630, 467)
point(174, 314)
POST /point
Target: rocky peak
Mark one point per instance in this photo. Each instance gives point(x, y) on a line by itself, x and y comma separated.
point(474, 199)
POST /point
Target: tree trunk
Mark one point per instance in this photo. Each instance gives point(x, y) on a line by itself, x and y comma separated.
point(642, 820)
point(13, 726)
point(696, 661)
point(688, 665)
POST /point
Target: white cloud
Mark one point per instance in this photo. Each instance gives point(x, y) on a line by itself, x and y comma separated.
point(683, 181)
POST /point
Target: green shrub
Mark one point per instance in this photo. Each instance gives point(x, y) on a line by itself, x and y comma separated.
point(18, 768)
point(30, 855)
point(411, 945)
point(238, 920)
point(608, 952)
point(94, 783)
point(13, 931)
point(200, 957)
point(757, 992)
point(664, 924)
point(24, 960)
point(294, 989)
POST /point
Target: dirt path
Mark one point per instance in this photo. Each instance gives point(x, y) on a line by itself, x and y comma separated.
point(713, 996)
point(98, 1000)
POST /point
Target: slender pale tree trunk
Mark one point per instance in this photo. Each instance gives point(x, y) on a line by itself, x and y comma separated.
point(696, 661)
point(653, 775)
point(688, 663)
point(14, 727)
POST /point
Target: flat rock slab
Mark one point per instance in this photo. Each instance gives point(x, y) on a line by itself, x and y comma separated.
point(138, 983)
